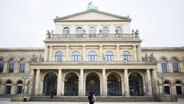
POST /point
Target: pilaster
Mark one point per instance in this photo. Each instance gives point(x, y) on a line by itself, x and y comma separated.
point(50, 53)
point(81, 85)
point(37, 88)
point(117, 53)
point(84, 53)
point(126, 81)
point(149, 82)
point(59, 82)
point(5, 67)
point(104, 83)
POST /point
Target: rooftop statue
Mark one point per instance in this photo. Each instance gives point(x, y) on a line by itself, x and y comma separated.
point(91, 6)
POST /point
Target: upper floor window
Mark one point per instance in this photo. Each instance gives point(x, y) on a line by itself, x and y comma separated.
point(22, 65)
point(92, 32)
point(109, 56)
point(105, 32)
point(164, 65)
point(11, 65)
point(1, 64)
point(58, 56)
point(119, 31)
point(79, 32)
point(175, 65)
point(66, 31)
point(76, 56)
point(92, 56)
point(126, 56)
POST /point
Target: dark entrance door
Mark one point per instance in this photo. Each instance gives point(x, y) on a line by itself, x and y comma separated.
point(93, 84)
point(135, 84)
point(71, 85)
point(114, 85)
point(50, 83)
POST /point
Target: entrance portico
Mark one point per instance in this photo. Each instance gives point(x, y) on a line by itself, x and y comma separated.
point(122, 80)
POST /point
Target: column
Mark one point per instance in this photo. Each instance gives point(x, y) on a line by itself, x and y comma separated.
point(37, 82)
point(155, 84)
point(117, 53)
point(46, 53)
point(31, 89)
point(135, 52)
point(104, 83)
point(126, 81)
point(59, 82)
point(62, 86)
point(149, 82)
point(83, 53)
point(67, 53)
point(101, 53)
point(50, 53)
point(81, 85)
point(5, 67)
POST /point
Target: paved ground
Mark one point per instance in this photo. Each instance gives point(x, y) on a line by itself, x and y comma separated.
point(7, 101)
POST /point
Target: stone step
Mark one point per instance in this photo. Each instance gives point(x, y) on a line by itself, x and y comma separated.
point(99, 99)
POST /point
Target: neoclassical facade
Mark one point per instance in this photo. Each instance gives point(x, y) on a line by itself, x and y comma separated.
point(92, 51)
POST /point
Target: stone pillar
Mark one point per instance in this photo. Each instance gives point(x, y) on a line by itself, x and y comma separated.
point(59, 82)
point(50, 53)
point(13, 89)
point(67, 53)
point(155, 84)
point(16, 67)
point(47, 48)
point(138, 50)
point(5, 67)
point(117, 53)
point(181, 66)
point(104, 83)
point(31, 89)
point(81, 83)
point(37, 83)
point(149, 82)
point(135, 52)
point(62, 86)
point(101, 53)
point(84, 53)
point(126, 81)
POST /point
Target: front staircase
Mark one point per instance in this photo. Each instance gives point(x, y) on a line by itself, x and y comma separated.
point(99, 99)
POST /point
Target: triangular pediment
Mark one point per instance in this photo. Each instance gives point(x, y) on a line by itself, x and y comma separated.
point(91, 15)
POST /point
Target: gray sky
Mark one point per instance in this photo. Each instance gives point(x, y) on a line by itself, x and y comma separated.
point(23, 23)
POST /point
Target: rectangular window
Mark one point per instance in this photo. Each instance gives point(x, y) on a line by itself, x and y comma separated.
point(22, 68)
point(164, 67)
point(8, 90)
point(19, 89)
point(1, 67)
point(175, 67)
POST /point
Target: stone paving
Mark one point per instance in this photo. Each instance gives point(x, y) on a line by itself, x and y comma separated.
point(7, 101)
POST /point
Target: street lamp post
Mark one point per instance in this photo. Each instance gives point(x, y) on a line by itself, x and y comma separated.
point(24, 77)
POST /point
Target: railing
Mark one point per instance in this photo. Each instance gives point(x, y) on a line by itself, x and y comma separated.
point(92, 36)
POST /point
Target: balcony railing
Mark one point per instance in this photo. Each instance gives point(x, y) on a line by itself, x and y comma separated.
point(92, 36)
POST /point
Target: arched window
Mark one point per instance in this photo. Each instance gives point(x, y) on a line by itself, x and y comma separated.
point(109, 56)
point(66, 31)
point(92, 32)
point(92, 56)
point(22, 65)
point(8, 87)
point(76, 56)
point(175, 65)
point(1, 65)
point(58, 56)
point(119, 31)
point(11, 65)
point(79, 32)
point(19, 87)
point(105, 32)
point(166, 87)
point(178, 88)
point(164, 65)
point(126, 56)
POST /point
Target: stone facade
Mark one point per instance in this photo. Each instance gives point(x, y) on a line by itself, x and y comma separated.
point(92, 51)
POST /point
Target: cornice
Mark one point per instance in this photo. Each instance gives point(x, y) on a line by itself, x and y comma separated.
point(162, 48)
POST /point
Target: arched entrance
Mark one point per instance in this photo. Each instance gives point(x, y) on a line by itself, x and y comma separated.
point(114, 85)
point(135, 84)
point(71, 85)
point(50, 83)
point(93, 84)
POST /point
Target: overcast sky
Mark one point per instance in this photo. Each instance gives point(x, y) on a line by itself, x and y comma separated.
point(23, 23)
